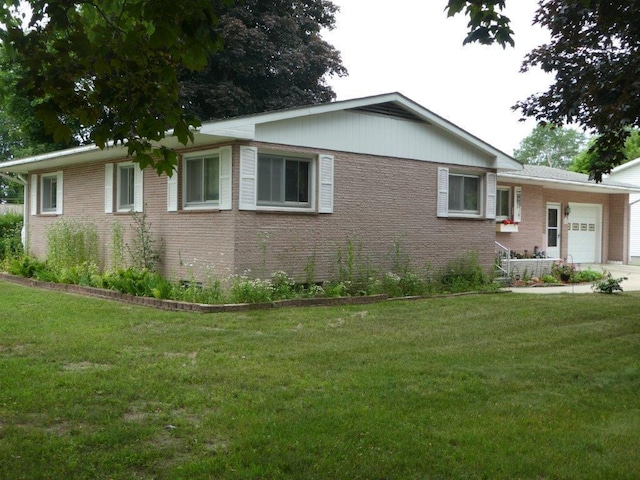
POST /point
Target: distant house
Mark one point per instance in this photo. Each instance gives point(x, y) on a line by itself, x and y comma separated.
point(291, 190)
point(564, 215)
point(630, 173)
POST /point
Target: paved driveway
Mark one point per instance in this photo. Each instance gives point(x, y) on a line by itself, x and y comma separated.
point(632, 272)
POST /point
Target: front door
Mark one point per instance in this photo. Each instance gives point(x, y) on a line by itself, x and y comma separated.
point(553, 230)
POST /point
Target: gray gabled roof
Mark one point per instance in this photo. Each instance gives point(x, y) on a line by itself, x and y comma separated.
point(555, 178)
point(245, 128)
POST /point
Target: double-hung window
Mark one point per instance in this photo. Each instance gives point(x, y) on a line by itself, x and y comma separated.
point(283, 181)
point(202, 181)
point(271, 181)
point(206, 181)
point(49, 194)
point(46, 194)
point(124, 183)
point(466, 194)
point(503, 203)
point(126, 187)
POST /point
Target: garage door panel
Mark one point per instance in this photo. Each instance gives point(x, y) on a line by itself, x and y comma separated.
point(584, 233)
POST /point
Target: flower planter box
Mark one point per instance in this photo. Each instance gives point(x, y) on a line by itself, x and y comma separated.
point(506, 228)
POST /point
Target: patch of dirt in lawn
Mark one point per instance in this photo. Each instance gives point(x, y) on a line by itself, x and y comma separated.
point(84, 366)
point(191, 356)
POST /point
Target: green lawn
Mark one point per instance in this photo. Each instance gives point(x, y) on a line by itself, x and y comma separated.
point(498, 386)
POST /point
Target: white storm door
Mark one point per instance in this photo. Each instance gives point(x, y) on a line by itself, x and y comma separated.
point(553, 230)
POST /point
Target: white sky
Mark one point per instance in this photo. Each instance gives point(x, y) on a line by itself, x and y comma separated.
point(411, 47)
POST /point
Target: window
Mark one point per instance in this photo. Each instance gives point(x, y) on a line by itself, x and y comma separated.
point(46, 194)
point(464, 193)
point(467, 195)
point(202, 180)
point(126, 187)
point(275, 182)
point(503, 203)
point(49, 194)
point(283, 181)
point(206, 181)
point(124, 182)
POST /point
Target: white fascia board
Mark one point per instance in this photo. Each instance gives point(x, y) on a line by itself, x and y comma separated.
point(624, 166)
point(567, 184)
point(85, 153)
point(244, 129)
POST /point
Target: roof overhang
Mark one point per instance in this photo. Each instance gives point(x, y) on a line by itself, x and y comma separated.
point(568, 185)
point(244, 128)
point(91, 153)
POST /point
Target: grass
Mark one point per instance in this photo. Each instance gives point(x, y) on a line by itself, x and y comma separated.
point(492, 386)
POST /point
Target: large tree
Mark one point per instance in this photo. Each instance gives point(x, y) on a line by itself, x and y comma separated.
point(550, 146)
point(111, 66)
point(274, 57)
point(127, 71)
point(594, 55)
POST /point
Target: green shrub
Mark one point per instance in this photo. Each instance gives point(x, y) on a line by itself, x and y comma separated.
point(463, 274)
point(26, 266)
point(283, 286)
point(10, 239)
point(608, 284)
point(132, 281)
point(246, 290)
point(144, 253)
point(549, 279)
point(587, 275)
point(71, 243)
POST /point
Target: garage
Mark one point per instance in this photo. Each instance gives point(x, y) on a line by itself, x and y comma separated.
point(584, 233)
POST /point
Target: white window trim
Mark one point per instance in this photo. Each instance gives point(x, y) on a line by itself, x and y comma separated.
point(500, 188)
point(326, 183)
point(59, 193)
point(108, 188)
point(224, 201)
point(517, 204)
point(33, 201)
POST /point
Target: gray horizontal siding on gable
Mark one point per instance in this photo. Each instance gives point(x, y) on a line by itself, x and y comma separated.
point(375, 135)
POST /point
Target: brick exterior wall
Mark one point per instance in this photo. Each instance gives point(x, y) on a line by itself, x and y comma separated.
point(532, 229)
point(378, 201)
point(618, 233)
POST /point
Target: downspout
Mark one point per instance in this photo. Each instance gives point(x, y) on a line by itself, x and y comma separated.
point(25, 217)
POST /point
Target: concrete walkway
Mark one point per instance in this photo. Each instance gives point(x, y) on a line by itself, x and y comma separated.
point(632, 272)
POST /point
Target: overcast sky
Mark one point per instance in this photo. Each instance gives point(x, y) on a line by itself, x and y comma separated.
point(411, 47)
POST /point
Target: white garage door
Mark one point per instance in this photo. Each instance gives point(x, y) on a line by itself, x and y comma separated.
point(585, 227)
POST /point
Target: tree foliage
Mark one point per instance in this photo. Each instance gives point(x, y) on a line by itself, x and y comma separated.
point(593, 54)
point(487, 24)
point(583, 161)
point(111, 66)
point(274, 58)
point(127, 71)
point(550, 146)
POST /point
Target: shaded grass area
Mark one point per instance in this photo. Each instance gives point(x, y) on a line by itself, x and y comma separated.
point(491, 386)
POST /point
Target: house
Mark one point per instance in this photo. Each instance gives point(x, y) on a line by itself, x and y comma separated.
point(304, 189)
point(630, 173)
point(563, 215)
